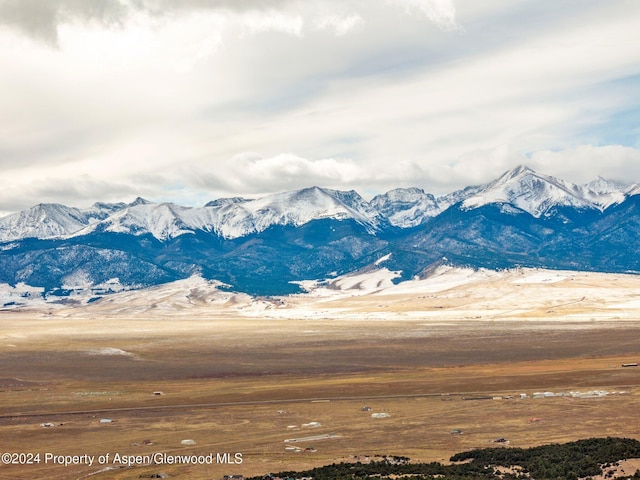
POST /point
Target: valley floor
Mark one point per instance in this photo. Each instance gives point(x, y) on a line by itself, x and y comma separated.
point(271, 384)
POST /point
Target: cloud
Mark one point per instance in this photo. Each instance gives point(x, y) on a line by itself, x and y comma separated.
point(163, 97)
point(251, 173)
point(341, 25)
point(440, 12)
point(79, 191)
point(41, 20)
point(613, 162)
point(578, 164)
point(259, 22)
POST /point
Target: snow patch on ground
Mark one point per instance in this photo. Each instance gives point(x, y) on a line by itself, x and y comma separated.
point(109, 351)
point(542, 276)
point(448, 294)
point(366, 282)
point(353, 284)
point(443, 278)
point(383, 259)
point(19, 295)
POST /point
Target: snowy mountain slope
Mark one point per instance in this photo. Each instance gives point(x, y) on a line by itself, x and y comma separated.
point(521, 189)
point(234, 218)
point(43, 221)
point(163, 221)
point(607, 192)
point(51, 220)
point(267, 246)
point(537, 194)
point(411, 207)
point(633, 190)
point(450, 199)
point(237, 219)
point(220, 202)
point(406, 207)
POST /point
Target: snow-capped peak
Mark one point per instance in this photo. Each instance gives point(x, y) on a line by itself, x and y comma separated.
point(601, 185)
point(406, 207)
point(633, 190)
point(536, 193)
point(237, 217)
point(606, 192)
point(515, 172)
point(221, 202)
point(161, 220)
point(519, 189)
point(296, 208)
point(44, 220)
point(140, 201)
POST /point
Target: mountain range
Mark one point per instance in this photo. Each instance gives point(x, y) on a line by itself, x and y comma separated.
point(266, 246)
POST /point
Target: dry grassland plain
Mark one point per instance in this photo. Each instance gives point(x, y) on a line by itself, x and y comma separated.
point(240, 376)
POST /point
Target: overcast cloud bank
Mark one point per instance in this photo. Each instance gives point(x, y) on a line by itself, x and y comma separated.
point(194, 100)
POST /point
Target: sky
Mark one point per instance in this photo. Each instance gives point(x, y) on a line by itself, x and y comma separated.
point(192, 100)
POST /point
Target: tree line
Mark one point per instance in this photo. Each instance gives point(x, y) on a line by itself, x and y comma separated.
point(581, 459)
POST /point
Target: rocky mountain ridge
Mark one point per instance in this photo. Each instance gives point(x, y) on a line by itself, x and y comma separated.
point(267, 246)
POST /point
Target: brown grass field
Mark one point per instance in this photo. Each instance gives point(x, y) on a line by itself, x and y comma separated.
point(243, 380)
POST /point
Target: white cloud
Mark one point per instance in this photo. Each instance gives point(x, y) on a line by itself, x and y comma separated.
point(577, 164)
point(41, 20)
point(341, 25)
point(440, 12)
point(260, 22)
point(159, 96)
point(250, 173)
